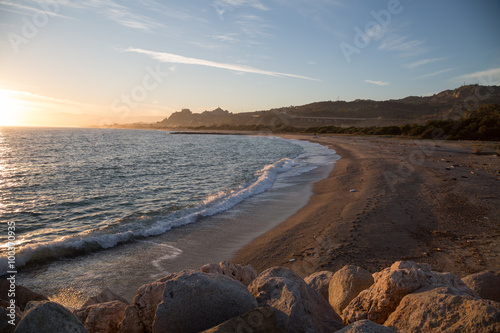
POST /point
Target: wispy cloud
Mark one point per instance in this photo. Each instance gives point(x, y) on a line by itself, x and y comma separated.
point(436, 73)
point(403, 45)
point(29, 10)
point(422, 62)
point(487, 77)
point(322, 12)
point(34, 101)
point(178, 59)
point(246, 26)
point(119, 13)
point(226, 38)
point(127, 18)
point(248, 3)
point(206, 44)
point(311, 8)
point(253, 26)
point(223, 6)
point(172, 11)
point(377, 83)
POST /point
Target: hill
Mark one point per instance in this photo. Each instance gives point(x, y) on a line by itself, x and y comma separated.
point(448, 104)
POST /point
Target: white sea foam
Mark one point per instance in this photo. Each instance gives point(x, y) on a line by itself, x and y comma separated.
point(314, 155)
point(172, 252)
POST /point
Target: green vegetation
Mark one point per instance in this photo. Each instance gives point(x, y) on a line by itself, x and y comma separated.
point(481, 124)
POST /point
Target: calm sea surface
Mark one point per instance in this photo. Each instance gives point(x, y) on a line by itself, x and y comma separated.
point(71, 192)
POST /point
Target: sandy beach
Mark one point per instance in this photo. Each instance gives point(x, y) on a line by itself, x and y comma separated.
point(387, 200)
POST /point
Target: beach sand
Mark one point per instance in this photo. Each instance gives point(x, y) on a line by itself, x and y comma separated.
point(387, 200)
point(411, 202)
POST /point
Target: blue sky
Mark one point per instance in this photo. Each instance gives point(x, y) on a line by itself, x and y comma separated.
point(121, 61)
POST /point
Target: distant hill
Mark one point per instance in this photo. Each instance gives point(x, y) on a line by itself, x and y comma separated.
point(448, 104)
point(187, 118)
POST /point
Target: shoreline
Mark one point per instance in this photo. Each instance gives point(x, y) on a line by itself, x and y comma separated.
point(349, 214)
point(429, 218)
point(214, 239)
point(426, 201)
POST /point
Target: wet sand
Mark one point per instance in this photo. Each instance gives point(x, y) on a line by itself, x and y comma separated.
point(388, 200)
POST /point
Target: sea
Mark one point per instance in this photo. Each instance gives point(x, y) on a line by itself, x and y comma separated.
point(84, 209)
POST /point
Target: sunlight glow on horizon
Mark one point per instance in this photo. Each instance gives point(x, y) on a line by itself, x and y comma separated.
point(9, 110)
point(22, 108)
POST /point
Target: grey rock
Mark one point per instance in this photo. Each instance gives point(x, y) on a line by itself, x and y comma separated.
point(302, 309)
point(485, 284)
point(23, 294)
point(444, 309)
point(391, 285)
point(104, 296)
point(48, 317)
point(195, 301)
point(259, 320)
point(346, 284)
point(244, 274)
point(365, 326)
point(9, 320)
point(320, 281)
point(139, 315)
point(102, 317)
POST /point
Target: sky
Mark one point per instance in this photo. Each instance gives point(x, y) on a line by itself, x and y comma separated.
point(96, 62)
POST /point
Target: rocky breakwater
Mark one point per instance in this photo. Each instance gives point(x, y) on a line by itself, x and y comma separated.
point(226, 298)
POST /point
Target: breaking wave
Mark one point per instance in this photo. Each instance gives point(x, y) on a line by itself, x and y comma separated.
point(104, 238)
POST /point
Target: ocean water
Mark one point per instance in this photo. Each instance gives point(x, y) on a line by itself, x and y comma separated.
point(75, 194)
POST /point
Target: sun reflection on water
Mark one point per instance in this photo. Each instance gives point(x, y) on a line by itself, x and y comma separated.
point(3, 176)
point(5, 171)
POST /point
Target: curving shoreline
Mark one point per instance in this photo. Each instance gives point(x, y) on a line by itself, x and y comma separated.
point(218, 237)
point(434, 216)
point(428, 201)
point(367, 214)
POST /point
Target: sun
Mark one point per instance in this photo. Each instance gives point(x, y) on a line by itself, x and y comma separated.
point(8, 110)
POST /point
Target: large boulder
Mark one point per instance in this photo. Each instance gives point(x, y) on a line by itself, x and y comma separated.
point(391, 285)
point(302, 309)
point(195, 301)
point(444, 309)
point(23, 294)
point(102, 317)
point(244, 274)
point(346, 284)
point(104, 296)
point(139, 315)
point(10, 319)
point(102, 312)
point(320, 281)
point(259, 320)
point(485, 284)
point(365, 326)
point(48, 317)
